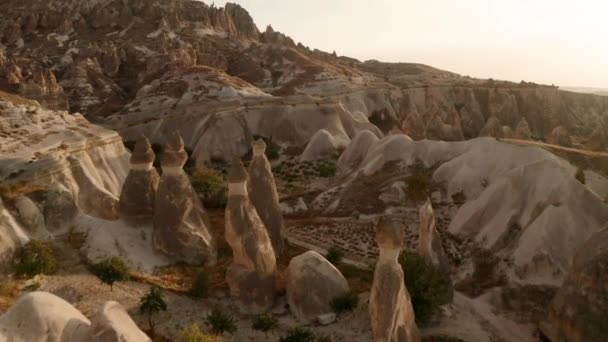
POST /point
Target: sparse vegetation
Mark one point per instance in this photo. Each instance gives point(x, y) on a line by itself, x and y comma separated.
point(298, 334)
point(344, 303)
point(429, 287)
point(200, 286)
point(221, 322)
point(193, 333)
point(152, 303)
point(580, 176)
point(326, 168)
point(334, 255)
point(418, 186)
point(265, 323)
point(111, 270)
point(211, 187)
point(459, 198)
point(36, 257)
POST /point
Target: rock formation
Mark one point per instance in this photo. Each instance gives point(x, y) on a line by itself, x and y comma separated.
point(580, 307)
point(31, 218)
point(523, 130)
point(60, 208)
point(492, 128)
point(251, 276)
point(139, 189)
point(180, 226)
point(42, 316)
point(311, 284)
point(560, 136)
point(322, 145)
point(390, 309)
point(264, 196)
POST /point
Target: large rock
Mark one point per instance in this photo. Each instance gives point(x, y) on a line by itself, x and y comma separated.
point(523, 130)
point(12, 236)
point(139, 189)
point(492, 128)
point(251, 275)
point(390, 308)
point(580, 307)
point(311, 283)
point(357, 150)
point(60, 208)
point(180, 226)
point(322, 145)
point(31, 217)
point(429, 241)
point(113, 324)
point(560, 136)
point(264, 196)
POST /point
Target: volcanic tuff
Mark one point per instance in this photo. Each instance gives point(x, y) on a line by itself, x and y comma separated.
point(150, 66)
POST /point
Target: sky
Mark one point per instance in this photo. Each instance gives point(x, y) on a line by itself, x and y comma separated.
point(561, 42)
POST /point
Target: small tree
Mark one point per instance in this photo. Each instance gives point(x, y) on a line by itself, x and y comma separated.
point(200, 286)
point(111, 270)
point(265, 323)
point(36, 257)
point(298, 335)
point(580, 176)
point(193, 333)
point(334, 255)
point(151, 303)
point(221, 322)
point(344, 303)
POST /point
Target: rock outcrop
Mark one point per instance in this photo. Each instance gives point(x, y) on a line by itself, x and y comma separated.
point(312, 283)
point(523, 130)
point(264, 196)
point(390, 308)
point(60, 208)
point(322, 145)
point(181, 229)
point(560, 136)
point(492, 128)
point(42, 316)
point(579, 309)
point(429, 241)
point(31, 218)
point(251, 275)
point(139, 190)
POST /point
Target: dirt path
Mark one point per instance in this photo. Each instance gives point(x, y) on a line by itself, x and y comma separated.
point(593, 154)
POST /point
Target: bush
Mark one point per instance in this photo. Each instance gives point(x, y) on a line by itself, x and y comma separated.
point(334, 255)
point(298, 335)
point(211, 186)
point(36, 257)
point(111, 270)
point(193, 333)
point(151, 303)
point(580, 176)
point(459, 198)
point(221, 322)
point(417, 186)
point(327, 169)
point(200, 286)
point(429, 288)
point(344, 303)
point(265, 323)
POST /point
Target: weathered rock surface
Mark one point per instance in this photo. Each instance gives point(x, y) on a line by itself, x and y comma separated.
point(322, 145)
point(113, 324)
point(580, 307)
point(523, 130)
point(181, 230)
point(139, 190)
point(560, 136)
point(12, 235)
point(31, 217)
point(429, 241)
point(311, 283)
point(264, 196)
point(60, 208)
point(390, 308)
point(251, 275)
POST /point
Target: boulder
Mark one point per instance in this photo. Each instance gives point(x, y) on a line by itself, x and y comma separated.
point(264, 196)
point(31, 218)
point(356, 151)
point(523, 130)
point(322, 145)
point(311, 284)
point(181, 229)
point(113, 324)
point(60, 208)
point(390, 308)
point(139, 189)
point(251, 275)
point(580, 307)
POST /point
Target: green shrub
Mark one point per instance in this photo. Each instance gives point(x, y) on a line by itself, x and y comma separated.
point(200, 286)
point(418, 186)
point(221, 322)
point(459, 198)
point(298, 335)
point(265, 323)
point(334, 255)
point(327, 169)
point(580, 176)
point(344, 303)
point(193, 333)
point(36, 257)
point(151, 303)
point(111, 270)
point(429, 288)
point(211, 186)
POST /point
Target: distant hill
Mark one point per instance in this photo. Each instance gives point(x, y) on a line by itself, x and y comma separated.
point(588, 90)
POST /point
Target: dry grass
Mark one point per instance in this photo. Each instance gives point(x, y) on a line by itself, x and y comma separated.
point(15, 99)
point(9, 290)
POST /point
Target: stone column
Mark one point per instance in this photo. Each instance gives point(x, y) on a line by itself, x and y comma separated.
point(251, 276)
point(180, 223)
point(390, 308)
point(264, 196)
point(139, 189)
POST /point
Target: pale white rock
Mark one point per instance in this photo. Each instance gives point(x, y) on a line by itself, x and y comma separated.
point(355, 151)
point(31, 217)
point(327, 319)
point(322, 145)
point(311, 284)
point(113, 324)
point(60, 208)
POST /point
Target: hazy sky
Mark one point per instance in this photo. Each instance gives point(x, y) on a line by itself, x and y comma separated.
point(564, 42)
